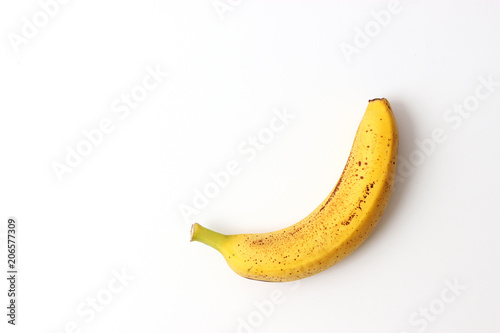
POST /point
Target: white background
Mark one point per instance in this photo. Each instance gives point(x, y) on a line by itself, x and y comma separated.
point(118, 211)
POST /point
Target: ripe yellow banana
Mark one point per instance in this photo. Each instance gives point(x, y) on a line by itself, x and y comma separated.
point(337, 227)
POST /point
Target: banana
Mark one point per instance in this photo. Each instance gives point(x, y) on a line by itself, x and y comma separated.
point(337, 226)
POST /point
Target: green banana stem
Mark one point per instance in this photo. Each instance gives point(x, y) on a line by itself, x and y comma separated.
point(207, 236)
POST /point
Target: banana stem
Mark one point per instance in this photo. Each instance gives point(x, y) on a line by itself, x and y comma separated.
point(207, 236)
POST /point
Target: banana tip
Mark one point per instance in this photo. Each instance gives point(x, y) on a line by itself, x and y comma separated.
point(378, 99)
point(192, 232)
